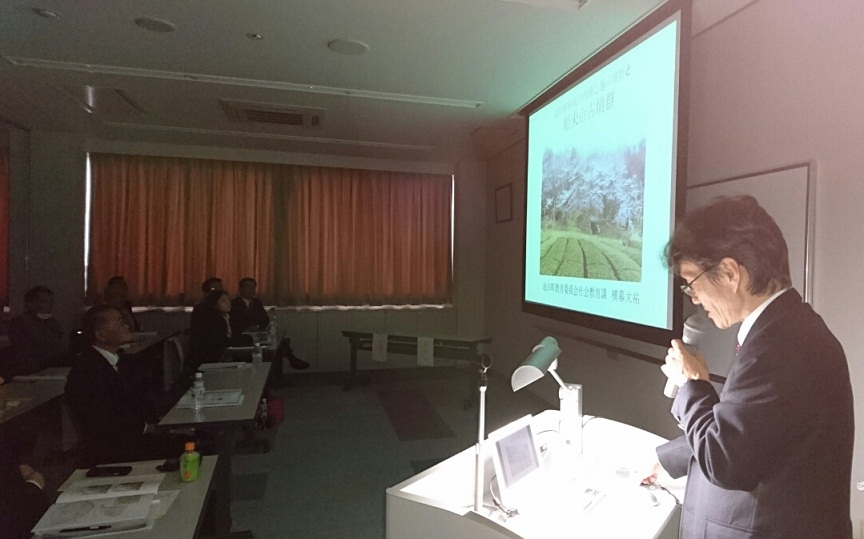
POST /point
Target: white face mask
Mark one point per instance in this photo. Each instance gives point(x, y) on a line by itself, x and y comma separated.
point(44, 316)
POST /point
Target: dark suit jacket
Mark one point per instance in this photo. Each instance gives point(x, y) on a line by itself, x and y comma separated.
point(208, 337)
point(111, 415)
point(21, 504)
point(771, 456)
point(243, 317)
point(35, 344)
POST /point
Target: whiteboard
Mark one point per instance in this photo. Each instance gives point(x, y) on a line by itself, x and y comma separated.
point(788, 195)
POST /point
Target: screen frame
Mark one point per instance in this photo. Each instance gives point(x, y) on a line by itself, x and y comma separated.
point(635, 33)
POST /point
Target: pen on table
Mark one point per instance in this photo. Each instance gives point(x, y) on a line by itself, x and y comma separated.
point(85, 529)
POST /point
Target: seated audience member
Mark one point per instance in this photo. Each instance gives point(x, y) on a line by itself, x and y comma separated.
point(117, 295)
point(37, 341)
point(22, 502)
point(113, 417)
point(248, 314)
point(210, 332)
point(211, 284)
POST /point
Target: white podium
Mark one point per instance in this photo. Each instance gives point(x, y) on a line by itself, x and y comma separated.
point(439, 502)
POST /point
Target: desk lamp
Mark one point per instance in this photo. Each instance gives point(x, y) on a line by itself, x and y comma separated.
point(543, 359)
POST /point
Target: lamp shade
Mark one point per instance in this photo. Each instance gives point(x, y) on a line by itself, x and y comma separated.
point(543, 357)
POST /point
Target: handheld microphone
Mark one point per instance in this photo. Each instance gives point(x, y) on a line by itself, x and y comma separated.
point(694, 328)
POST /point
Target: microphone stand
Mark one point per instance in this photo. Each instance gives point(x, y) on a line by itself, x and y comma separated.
point(485, 363)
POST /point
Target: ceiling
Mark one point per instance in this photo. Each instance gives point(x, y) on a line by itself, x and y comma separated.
point(441, 79)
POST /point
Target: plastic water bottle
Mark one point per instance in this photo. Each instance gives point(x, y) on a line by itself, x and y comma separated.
point(271, 333)
point(198, 391)
point(190, 463)
point(257, 354)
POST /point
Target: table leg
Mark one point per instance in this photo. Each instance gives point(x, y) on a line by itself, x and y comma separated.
point(352, 372)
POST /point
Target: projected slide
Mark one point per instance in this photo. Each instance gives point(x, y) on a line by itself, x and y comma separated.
point(601, 187)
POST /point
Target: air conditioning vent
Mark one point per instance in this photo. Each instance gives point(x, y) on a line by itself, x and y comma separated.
point(268, 113)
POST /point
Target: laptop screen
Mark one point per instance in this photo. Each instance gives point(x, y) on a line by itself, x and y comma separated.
point(517, 456)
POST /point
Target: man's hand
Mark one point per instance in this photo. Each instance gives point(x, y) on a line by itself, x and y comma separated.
point(682, 366)
point(29, 474)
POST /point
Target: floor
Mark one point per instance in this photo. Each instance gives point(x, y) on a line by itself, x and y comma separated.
point(336, 452)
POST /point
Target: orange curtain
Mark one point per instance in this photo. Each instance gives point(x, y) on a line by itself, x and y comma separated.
point(4, 226)
point(308, 235)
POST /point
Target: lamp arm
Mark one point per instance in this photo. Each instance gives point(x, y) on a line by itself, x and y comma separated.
point(559, 380)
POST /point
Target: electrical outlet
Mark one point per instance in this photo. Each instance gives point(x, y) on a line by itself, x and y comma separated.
point(860, 486)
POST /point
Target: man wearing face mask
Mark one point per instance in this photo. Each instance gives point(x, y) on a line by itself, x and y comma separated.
point(37, 341)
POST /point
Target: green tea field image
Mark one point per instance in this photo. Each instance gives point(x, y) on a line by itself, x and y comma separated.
point(591, 214)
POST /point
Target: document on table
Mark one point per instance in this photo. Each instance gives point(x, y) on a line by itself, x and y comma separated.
point(98, 516)
point(426, 351)
point(214, 398)
point(379, 347)
point(93, 488)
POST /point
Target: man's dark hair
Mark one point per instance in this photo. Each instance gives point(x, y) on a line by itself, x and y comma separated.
point(116, 279)
point(212, 298)
point(209, 284)
point(93, 320)
point(246, 280)
point(738, 228)
point(34, 293)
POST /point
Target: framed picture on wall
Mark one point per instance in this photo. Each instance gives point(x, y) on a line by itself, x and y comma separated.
point(504, 203)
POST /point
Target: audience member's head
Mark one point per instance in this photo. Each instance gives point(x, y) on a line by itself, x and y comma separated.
point(118, 281)
point(104, 326)
point(211, 284)
point(246, 288)
point(219, 300)
point(39, 301)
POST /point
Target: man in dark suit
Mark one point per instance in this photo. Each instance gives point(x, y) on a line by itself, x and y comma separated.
point(247, 313)
point(113, 417)
point(770, 456)
point(37, 340)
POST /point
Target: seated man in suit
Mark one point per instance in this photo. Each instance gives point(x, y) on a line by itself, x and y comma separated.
point(247, 313)
point(37, 341)
point(117, 294)
point(112, 415)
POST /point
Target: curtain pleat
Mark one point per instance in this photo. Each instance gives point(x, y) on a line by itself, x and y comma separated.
point(4, 226)
point(308, 235)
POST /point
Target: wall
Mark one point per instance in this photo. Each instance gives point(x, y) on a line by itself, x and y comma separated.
point(776, 82)
point(52, 213)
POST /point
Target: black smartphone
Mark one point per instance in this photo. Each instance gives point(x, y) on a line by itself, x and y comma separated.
point(109, 471)
point(170, 465)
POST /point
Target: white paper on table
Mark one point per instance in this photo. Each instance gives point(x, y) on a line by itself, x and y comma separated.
point(165, 499)
point(121, 513)
point(379, 347)
point(93, 488)
point(425, 351)
point(214, 398)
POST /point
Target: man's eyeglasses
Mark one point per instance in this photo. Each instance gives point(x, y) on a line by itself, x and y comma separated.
point(687, 288)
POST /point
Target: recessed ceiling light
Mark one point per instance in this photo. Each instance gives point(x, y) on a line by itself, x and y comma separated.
point(155, 25)
point(46, 13)
point(347, 46)
point(253, 35)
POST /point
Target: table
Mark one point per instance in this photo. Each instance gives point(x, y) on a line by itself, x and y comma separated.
point(225, 422)
point(439, 502)
point(446, 347)
point(20, 396)
point(183, 518)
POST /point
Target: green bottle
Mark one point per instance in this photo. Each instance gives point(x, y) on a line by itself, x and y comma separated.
point(190, 461)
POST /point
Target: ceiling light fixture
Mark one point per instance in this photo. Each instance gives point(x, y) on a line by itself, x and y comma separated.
point(253, 35)
point(46, 13)
point(350, 47)
point(155, 25)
